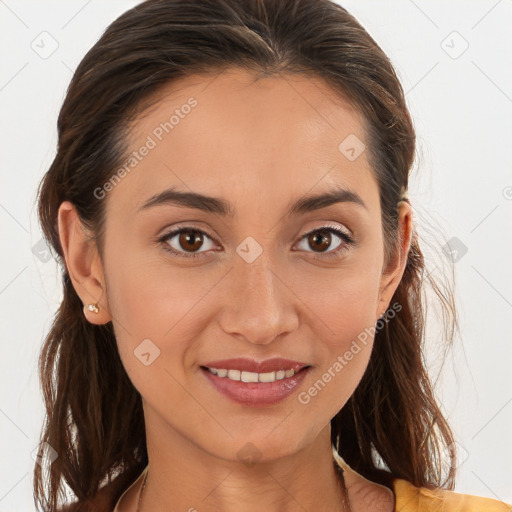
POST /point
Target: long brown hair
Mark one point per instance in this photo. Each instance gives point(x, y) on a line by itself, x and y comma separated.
point(391, 427)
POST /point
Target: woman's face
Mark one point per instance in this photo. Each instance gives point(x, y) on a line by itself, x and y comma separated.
point(258, 288)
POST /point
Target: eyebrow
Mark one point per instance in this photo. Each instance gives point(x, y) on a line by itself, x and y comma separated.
point(219, 206)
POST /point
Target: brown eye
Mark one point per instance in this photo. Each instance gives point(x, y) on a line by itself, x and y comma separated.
point(190, 240)
point(187, 242)
point(320, 240)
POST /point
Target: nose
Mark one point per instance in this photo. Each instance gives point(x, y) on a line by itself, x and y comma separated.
point(260, 305)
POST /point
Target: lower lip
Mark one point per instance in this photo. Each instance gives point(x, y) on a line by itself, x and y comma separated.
point(256, 393)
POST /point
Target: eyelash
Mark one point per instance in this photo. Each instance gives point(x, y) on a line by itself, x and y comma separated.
point(331, 254)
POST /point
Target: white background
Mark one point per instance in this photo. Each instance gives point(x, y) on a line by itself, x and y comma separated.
point(461, 187)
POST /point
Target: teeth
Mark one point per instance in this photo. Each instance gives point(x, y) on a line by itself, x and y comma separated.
point(252, 376)
point(267, 377)
point(234, 374)
point(249, 377)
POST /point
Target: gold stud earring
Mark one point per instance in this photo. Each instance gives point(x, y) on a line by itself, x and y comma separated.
point(93, 307)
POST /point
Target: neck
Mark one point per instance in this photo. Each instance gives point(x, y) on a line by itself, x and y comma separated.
point(182, 476)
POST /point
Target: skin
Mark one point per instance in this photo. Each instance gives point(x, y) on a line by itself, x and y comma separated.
point(279, 135)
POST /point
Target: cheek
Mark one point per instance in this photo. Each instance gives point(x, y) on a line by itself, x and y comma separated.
point(148, 297)
point(342, 313)
point(150, 301)
point(340, 304)
point(150, 318)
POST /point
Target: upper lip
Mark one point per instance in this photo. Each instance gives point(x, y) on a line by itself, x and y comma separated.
point(251, 365)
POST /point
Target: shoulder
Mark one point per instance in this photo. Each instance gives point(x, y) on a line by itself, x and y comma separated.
point(414, 499)
point(405, 497)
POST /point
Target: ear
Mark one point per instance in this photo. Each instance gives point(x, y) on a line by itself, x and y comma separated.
point(392, 275)
point(83, 263)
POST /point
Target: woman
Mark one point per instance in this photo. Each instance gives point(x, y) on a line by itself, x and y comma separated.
point(242, 322)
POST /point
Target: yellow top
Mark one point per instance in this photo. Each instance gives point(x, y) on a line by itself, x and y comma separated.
point(409, 498)
point(415, 499)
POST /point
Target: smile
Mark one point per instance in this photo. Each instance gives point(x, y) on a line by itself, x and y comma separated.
point(252, 376)
point(252, 388)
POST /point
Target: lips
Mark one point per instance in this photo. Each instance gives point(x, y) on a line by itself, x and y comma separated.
point(251, 365)
point(255, 383)
point(256, 394)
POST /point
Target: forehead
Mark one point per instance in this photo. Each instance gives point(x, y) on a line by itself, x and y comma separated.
point(238, 135)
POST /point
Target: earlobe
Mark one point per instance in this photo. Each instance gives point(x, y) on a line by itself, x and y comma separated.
point(83, 264)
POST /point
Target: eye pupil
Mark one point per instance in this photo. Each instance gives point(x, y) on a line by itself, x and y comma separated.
point(321, 237)
point(189, 241)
